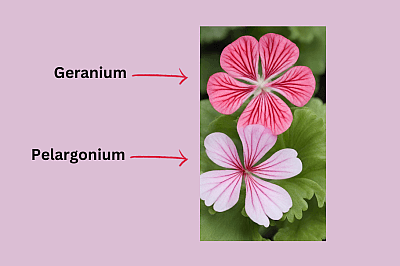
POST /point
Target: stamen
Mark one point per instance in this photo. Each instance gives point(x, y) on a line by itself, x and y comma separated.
point(261, 82)
point(247, 172)
point(257, 91)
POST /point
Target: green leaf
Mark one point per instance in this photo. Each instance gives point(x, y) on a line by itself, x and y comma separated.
point(229, 225)
point(305, 34)
point(212, 121)
point(313, 54)
point(307, 136)
point(211, 34)
point(318, 107)
point(227, 124)
point(207, 115)
point(311, 228)
point(315, 104)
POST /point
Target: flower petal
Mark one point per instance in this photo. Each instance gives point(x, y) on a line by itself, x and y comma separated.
point(221, 187)
point(240, 59)
point(227, 94)
point(222, 151)
point(257, 140)
point(297, 85)
point(277, 54)
point(268, 110)
point(281, 165)
point(265, 200)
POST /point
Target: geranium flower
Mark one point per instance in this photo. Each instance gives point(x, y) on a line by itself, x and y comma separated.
point(263, 199)
point(240, 60)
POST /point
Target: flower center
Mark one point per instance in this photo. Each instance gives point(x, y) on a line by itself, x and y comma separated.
point(246, 172)
point(261, 82)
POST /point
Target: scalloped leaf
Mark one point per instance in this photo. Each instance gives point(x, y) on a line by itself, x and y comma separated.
point(307, 136)
point(318, 107)
point(229, 225)
point(311, 228)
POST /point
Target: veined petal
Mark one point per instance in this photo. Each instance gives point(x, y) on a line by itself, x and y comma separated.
point(227, 94)
point(240, 58)
point(221, 187)
point(265, 200)
point(277, 54)
point(281, 165)
point(222, 151)
point(268, 110)
point(297, 85)
point(257, 140)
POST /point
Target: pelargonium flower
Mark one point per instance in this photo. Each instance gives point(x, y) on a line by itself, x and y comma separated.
point(263, 199)
point(240, 60)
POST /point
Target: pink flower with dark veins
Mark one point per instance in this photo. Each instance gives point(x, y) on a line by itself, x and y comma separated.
point(240, 60)
point(263, 199)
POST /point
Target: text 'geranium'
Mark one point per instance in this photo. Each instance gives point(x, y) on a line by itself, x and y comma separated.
point(263, 199)
point(240, 60)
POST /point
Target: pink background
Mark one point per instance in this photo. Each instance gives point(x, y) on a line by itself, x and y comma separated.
point(146, 212)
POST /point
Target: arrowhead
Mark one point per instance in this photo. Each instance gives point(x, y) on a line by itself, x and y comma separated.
point(183, 157)
point(184, 78)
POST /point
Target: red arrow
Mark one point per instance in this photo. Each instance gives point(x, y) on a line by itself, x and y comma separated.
point(163, 75)
point(165, 157)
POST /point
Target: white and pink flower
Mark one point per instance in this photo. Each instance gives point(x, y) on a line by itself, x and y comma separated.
point(263, 199)
point(240, 60)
